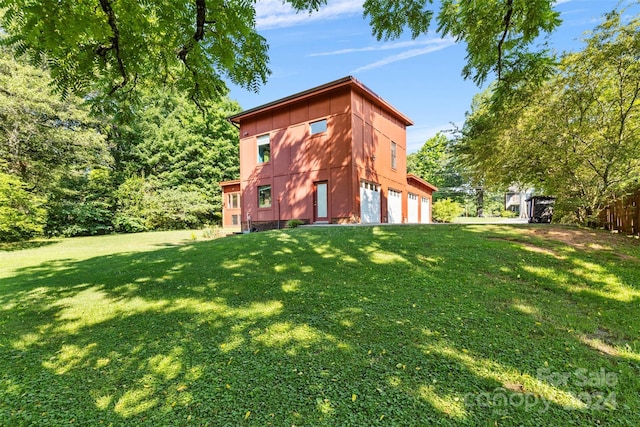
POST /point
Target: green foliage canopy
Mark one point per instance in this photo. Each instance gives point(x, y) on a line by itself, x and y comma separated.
point(178, 145)
point(111, 46)
point(577, 136)
point(41, 135)
point(21, 212)
point(73, 164)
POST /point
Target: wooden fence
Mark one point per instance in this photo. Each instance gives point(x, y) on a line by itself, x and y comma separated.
point(623, 215)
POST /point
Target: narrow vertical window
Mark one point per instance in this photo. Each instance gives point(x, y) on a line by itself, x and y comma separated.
point(264, 149)
point(394, 159)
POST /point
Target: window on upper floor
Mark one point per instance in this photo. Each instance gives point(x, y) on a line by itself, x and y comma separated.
point(264, 196)
point(264, 149)
point(394, 155)
point(318, 127)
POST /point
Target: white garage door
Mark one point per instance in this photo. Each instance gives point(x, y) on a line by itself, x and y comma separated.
point(412, 207)
point(369, 202)
point(394, 207)
point(424, 211)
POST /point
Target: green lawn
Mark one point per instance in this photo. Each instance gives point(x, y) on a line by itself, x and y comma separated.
point(390, 325)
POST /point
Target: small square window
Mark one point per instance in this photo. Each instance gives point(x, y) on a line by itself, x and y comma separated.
point(235, 220)
point(264, 149)
point(318, 127)
point(264, 196)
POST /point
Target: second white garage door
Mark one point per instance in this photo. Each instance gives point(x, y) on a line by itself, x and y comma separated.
point(369, 202)
point(394, 207)
point(424, 211)
point(412, 208)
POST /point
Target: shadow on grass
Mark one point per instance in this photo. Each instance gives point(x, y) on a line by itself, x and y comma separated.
point(19, 246)
point(357, 326)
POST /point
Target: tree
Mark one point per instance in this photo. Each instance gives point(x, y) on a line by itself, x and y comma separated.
point(179, 146)
point(577, 136)
point(41, 135)
point(434, 163)
point(80, 203)
point(21, 212)
point(431, 160)
point(50, 146)
point(111, 47)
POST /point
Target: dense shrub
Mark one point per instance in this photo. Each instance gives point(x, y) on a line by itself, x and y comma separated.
point(81, 204)
point(293, 223)
point(142, 206)
point(446, 210)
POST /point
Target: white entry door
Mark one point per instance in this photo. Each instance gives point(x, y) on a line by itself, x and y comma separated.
point(369, 203)
point(394, 207)
point(320, 201)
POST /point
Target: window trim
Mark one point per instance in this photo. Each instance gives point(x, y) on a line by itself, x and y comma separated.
point(260, 189)
point(233, 197)
point(260, 144)
point(394, 155)
point(324, 129)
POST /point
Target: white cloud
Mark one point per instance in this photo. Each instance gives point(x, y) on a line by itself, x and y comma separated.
point(433, 46)
point(276, 14)
point(386, 46)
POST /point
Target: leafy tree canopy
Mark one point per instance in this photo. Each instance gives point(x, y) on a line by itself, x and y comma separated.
point(41, 135)
point(576, 136)
point(176, 143)
point(435, 163)
point(21, 212)
point(63, 166)
point(110, 46)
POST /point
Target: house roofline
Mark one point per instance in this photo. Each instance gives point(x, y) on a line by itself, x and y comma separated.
point(232, 182)
point(345, 81)
point(412, 177)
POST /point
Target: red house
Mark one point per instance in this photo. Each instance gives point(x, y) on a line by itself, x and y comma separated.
point(332, 154)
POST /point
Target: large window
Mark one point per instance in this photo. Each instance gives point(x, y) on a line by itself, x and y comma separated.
point(394, 155)
point(264, 196)
point(264, 149)
point(318, 127)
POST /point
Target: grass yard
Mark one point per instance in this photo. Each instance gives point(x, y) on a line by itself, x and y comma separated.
point(390, 325)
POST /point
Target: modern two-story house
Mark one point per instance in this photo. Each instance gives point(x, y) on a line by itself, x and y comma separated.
point(332, 154)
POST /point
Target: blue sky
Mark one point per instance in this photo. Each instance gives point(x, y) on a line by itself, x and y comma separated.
point(421, 77)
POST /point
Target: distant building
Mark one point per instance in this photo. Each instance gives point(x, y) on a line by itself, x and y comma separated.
point(516, 200)
point(332, 154)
